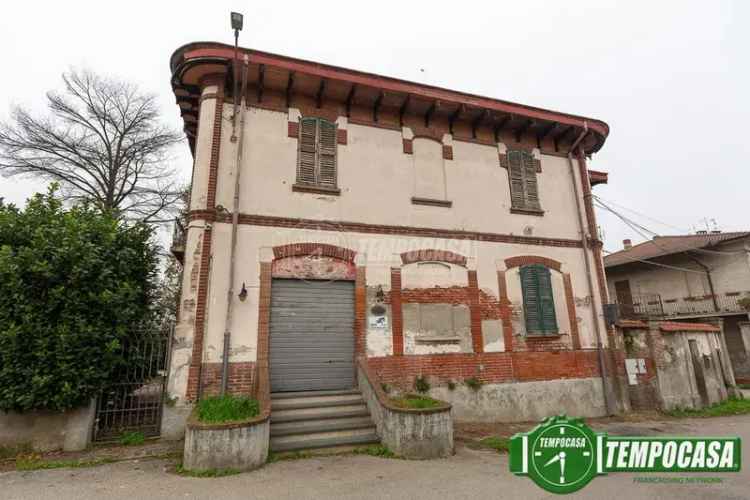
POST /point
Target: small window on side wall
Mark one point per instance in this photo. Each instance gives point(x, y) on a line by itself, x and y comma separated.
point(524, 191)
point(316, 155)
point(538, 300)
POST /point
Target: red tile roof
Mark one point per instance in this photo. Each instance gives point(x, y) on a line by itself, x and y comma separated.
point(668, 245)
point(673, 326)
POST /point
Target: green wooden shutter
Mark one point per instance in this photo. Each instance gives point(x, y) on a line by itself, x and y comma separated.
point(546, 301)
point(306, 157)
point(530, 289)
point(531, 190)
point(326, 154)
point(515, 174)
point(538, 299)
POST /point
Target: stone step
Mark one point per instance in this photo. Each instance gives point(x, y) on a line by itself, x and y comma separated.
point(296, 415)
point(316, 402)
point(323, 439)
point(324, 425)
point(312, 394)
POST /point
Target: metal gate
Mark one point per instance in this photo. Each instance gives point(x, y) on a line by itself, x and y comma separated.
point(134, 402)
point(312, 335)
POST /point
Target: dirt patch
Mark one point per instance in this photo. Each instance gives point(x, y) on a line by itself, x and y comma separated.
point(100, 454)
point(468, 432)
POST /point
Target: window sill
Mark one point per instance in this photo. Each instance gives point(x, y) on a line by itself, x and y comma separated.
point(527, 211)
point(303, 188)
point(544, 336)
point(431, 202)
point(437, 339)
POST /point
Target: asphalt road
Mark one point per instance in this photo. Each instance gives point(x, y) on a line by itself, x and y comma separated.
point(470, 473)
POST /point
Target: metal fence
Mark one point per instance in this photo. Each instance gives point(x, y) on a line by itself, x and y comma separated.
point(134, 402)
point(653, 305)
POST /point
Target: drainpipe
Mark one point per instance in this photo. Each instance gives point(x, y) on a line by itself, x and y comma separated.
point(235, 223)
point(589, 276)
point(710, 279)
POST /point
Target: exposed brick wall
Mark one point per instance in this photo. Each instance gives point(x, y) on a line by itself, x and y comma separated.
point(408, 146)
point(572, 315)
point(489, 307)
point(495, 367)
point(240, 381)
point(397, 315)
point(319, 249)
point(505, 311)
point(433, 255)
point(477, 341)
point(293, 129)
point(447, 152)
point(360, 311)
point(194, 371)
point(213, 169)
point(359, 227)
point(526, 260)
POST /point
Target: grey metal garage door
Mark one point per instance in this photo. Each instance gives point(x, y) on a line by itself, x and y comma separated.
point(312, 335)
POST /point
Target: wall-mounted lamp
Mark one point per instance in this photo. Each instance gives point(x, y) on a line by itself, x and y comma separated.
point(243, 293)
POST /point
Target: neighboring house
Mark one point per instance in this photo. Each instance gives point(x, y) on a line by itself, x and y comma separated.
point(691, 277)
point(424, 231)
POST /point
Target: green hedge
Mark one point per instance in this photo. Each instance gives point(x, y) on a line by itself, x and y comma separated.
point(76, 284)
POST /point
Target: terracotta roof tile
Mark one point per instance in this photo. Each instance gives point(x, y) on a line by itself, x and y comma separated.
point(667, 245)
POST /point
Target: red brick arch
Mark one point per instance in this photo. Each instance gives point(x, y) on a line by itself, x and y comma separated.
point(320, 249)
point(525, 260)
point(433, 255)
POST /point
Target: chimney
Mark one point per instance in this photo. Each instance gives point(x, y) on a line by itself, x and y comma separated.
point(627, 244)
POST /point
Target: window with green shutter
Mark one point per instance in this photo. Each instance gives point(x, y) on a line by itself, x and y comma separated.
point(524, 192)
point(538, 300)
point(316, 156)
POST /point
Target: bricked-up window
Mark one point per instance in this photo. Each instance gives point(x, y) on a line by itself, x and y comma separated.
point(316, 158)
point(538, 300)
point(524, 193)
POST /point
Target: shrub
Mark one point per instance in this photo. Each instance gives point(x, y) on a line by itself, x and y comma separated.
point(386, 388)
point(218, 409)
point(744, 303)
point(473, 383)
point(415, 401)
point(132, 438)
point(76, 285)
point(421, 384)
point(451, 385)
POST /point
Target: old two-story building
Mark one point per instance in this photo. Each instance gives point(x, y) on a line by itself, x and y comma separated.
point(695, 277)
point(339, 218)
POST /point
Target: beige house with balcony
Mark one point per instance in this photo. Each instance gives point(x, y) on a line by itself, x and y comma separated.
point(695, 277)
point(339, 219)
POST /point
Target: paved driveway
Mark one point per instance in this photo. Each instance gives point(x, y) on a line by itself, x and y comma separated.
point(470, 474)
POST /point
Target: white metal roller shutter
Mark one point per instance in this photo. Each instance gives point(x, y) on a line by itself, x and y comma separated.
point(312, 335)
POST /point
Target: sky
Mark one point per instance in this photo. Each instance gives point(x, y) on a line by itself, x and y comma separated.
point(669, 77)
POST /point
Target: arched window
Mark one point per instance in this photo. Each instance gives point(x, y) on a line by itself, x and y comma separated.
point(538, 299)
point(316, 156)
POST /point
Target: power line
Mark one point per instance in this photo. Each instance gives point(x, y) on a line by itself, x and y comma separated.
point(681, 229)
point(640, 229)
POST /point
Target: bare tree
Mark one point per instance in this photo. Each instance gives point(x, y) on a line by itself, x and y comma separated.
point(102, 141)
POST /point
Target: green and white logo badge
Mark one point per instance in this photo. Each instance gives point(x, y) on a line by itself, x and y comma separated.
point(562, 455)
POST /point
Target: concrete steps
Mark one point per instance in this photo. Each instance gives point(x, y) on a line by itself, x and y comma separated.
point(320, 419)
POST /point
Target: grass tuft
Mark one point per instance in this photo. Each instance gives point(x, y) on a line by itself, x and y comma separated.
point(415, 401)
point(7, 452)
point(375, 450)
point(35, 462)
point(473, 383)
point(501, 444)
point(206, 473)
point(132, 438)
point(219, 409)
point(732, 406)
point(744, 386)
